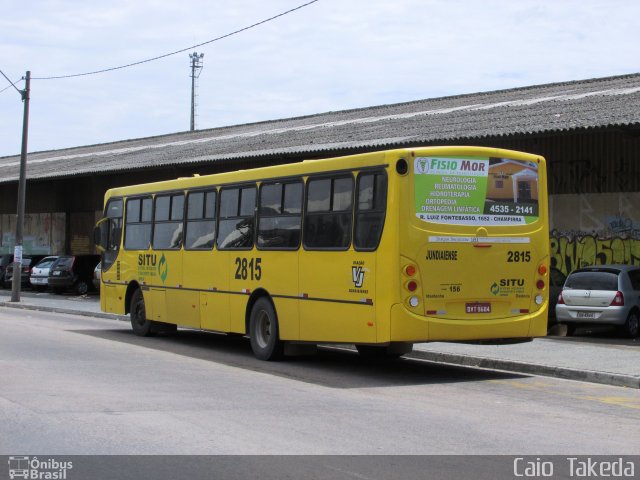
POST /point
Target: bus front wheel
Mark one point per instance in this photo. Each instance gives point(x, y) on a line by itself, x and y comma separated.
point(139, 323)
point(263, 331)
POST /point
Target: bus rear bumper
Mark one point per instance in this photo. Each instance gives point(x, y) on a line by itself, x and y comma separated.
point(409, 327)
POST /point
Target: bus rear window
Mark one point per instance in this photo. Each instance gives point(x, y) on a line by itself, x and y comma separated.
point(475, 190)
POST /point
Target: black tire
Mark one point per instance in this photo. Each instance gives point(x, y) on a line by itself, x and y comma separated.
point(263, 331)
point(81, 287)
point(631, 327)
point(571, 329)
point(139, 323)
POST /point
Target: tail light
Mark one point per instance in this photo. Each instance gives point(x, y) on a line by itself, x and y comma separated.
point(411, 285)
point(560, 299)
point(618, 300)
point(540, 284)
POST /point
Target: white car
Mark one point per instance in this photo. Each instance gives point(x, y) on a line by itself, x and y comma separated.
point(39, 278)
point(96, 275)
point(604, 295)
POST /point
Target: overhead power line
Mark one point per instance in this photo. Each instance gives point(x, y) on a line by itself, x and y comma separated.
point(13, 84)
point(262, 22)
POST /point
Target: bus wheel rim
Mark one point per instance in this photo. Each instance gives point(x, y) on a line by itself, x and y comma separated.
point(139, 314)
point(263, 330)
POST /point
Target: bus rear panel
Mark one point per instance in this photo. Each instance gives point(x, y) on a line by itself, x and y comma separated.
point(474, 247)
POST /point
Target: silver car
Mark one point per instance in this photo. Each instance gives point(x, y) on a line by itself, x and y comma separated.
point(601, 295)
point(39, 277)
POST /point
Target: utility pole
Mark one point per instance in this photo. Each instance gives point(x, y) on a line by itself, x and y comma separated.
point(22, 186)
point(196, 67)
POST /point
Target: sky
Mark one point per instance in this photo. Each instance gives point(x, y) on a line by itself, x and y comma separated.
point(330, 55)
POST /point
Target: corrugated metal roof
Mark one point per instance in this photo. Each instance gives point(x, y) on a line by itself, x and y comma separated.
point(596, 103)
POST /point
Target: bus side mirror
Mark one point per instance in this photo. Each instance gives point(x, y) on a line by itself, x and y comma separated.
point(101, 235)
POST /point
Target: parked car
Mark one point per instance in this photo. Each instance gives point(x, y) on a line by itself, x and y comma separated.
point(96, 275)
point(27, 261)
point(602, 295)
point(556, 282)
point(39, 278)
point(73, 272)
point(5, 261)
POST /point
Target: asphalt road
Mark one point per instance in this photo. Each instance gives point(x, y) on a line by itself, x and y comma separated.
point(72, 385)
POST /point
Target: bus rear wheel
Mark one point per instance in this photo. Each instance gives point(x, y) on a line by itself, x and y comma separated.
point(263, 331)
point(139, 323)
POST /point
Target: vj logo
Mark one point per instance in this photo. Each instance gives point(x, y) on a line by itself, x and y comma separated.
point(357, 274)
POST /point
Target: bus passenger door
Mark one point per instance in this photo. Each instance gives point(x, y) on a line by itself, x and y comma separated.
point(213, 283)
point(337, 291)
point(182, 305)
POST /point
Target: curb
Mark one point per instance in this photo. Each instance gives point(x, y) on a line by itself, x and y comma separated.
point(591, 376)
point(69, 311)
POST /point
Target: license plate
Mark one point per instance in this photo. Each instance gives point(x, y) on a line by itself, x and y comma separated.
point(478, 307)
point(586, 315)
point(38, 281)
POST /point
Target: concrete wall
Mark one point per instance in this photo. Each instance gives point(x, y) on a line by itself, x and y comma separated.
point(43, 233)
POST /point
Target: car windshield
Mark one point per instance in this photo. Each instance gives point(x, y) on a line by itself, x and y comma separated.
point(593, 280)
point(45, 263)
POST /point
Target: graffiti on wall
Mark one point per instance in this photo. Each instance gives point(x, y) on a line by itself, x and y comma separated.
point(569, 253)
point(594, 229)
point(594, 174)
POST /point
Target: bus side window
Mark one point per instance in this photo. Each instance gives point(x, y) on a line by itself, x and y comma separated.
point(167, 225)
point(201, 220)
point(328, 216)
point(370, 210)
point(237, 217)
point(137, 234)
point(280, 216)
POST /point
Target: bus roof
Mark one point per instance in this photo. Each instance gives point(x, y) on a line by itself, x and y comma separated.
point(306, 167)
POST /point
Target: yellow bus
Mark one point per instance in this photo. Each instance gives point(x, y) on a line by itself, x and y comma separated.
point(381, 250)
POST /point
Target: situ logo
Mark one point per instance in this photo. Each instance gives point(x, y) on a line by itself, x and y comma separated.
point(37, 469)
point(507, 285)
point(163, 269)
point(149, 266)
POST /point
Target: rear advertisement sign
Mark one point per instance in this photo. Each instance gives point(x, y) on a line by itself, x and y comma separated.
point(475, 190)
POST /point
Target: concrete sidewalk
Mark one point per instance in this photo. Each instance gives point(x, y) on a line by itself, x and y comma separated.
point(610, 361)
